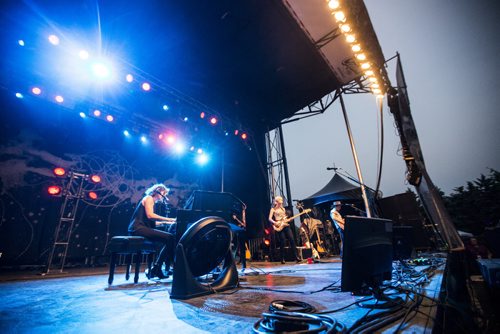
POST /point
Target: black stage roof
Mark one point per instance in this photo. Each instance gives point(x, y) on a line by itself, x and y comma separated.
point(256, 62)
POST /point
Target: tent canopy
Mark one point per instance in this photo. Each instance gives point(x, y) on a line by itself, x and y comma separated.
point(338, 189)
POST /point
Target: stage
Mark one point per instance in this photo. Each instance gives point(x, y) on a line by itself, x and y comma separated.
point(80, 300)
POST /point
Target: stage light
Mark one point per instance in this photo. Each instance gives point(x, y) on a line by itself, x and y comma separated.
point(165, 107)
point(144, 140)
point(83, 54)
point(185, 119)
point(59, 171)
point(365, 66)
point(36, 90)
point(345, 28)
point(19, 95)
point(361, 56)
point(179, 148)
point(202, 159)
point(267, 242)
point(97, 113)
point(191, 148)
point(20, 42)
point(339, 16)
point(369, 73)
point(372, 79)
point(376, 91)
point(54, 190)
point(160, 136)
point(110, 118)
point(350, 38)
point(95, 178)
point(375, 85)
point(100, 70)
point(199, 151)
point(236, 132)
point(146, 86)
point(92, 195)
point(170, 139)
point(59, 99)
point(126, 133)
point(202, 114)
point(356, 48)
point(82, 114)
point(213, 120)
point(333, 4)
point(54, 40)
point(244, 136)
point(226, 133)
point(129, 77)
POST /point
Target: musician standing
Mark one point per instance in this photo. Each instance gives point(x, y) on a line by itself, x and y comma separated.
point(143, 222)
point(277, 215)
point(338, 221)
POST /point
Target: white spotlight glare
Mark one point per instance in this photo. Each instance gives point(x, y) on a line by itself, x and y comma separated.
point(20, 42)
point(129, 77)
point(19, 95)
point(165, 107)
point(144, 140)
point(82, 114)
point(333, 4)
point(59, 99)
point(100, 70)
point(54, 40)
point(126, 133)
point(179, 148)
point(83, 54)
point(202, 159)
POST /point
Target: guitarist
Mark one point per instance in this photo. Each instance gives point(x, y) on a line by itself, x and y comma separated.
point(338, 221)
point(277, 216)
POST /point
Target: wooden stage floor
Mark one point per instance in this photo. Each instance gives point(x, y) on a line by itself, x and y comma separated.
point(80, 301)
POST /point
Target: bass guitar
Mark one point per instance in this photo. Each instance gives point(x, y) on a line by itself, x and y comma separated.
point(281, 224)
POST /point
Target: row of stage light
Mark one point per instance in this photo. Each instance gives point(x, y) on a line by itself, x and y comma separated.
point(103, 71)
point(367, 66)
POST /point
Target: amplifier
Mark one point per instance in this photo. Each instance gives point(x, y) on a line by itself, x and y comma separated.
point(490, 269)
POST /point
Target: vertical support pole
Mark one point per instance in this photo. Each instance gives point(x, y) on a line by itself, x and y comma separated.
point(355, 156)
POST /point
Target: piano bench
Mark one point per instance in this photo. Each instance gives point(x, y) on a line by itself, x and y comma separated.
point(129, 246)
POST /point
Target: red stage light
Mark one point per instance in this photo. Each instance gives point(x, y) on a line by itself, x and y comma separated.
point(59, 171)
point(267, 242)
point(213, 120)
point(92, 195)
point(202, 114)
point(160, 136)
point(54, 190)
point(267, 232)
point(236, 132)
point(95, 178)
point(244, 136)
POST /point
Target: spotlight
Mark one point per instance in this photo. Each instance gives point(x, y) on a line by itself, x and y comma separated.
point(95, 178)
point(244, 136)
point(82, 114)
point(267, 242)
point(179, 148)
point(110, 118)
point(356, 48)
point(144, 140)
point(126, 133)
point(191, 148)
point(185, 119)
point(83, 54)
point(350, 38)
point(213, 120)
point(36, 90)
point(236, 132)
point(20, 42)
point(54, 40)
point(333, 4)
point(100, 70)
point(54, 190)
point(160, 136)
point(146, 86)
point(165, 107)
point(59, 171)
point(339, 16)
point(202, 114)
point(93, 195)
point(170, 139)
point(97, 113)
point(365, 66)
point(369, 73)
point(129, 77)
point(19, 95)
point(202, 159)
point(361, 56)
point(199, 151)
point(59, 99)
